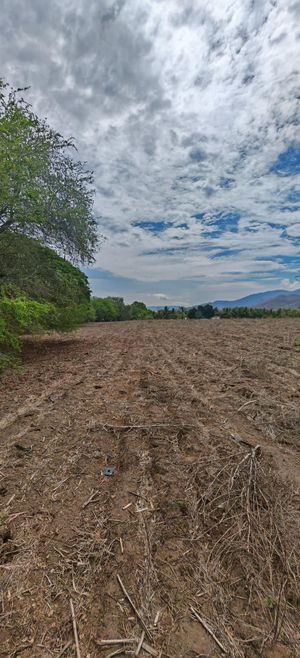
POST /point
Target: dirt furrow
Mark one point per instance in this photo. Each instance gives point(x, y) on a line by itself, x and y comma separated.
point(156, 403)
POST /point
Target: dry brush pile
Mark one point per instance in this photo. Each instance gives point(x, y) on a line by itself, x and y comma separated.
point(246, 550)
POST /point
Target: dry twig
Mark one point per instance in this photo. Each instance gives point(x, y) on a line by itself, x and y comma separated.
point(208, 629)
point(105, 643)
point(91, 499)
point(136, 612)
point(64, 649)
point(75, 629)
point(139, 646)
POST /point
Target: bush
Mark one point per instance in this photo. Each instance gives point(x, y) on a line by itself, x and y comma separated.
point(40, 273)
point(71, 317)
point(106, 310)
point(19, 316)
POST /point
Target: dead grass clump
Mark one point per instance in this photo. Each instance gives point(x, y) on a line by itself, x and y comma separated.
point(245, 532)
point(91, 548)
point(254, 367)
point(288, 422)
point(280, 422)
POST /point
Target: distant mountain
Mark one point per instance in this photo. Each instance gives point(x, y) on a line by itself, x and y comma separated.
point(262, 300)
point(272, 299)
point(282, 301)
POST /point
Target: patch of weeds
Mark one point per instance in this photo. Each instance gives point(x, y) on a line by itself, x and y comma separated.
point(182, 505)
point(270, 603)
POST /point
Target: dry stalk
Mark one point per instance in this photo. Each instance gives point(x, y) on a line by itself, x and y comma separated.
point(245, 546)
point(208, 629)
point(130, 601)
point(75, 629)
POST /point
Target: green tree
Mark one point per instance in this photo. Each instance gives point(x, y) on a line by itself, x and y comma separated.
point(139, 311)
point(45, 193)
point(122, 309)
point(40, 272)
point(106, 309)
point(201, 311)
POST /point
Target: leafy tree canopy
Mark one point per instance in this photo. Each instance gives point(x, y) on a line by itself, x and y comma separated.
point(202, 311)
point(139, 311)
point(106, 309)
point(40, 273)
point(45, 193)
point(111, 309)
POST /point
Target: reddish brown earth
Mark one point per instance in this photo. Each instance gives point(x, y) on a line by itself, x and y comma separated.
point(194, 514)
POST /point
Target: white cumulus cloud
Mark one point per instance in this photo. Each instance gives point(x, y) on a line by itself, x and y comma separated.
point(182, 109)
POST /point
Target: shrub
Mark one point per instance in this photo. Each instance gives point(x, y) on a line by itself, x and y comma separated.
point(19, 316)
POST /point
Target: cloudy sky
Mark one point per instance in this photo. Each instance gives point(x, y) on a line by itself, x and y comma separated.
point(188, 112)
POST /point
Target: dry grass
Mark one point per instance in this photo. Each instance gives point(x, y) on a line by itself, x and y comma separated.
point(246, 545)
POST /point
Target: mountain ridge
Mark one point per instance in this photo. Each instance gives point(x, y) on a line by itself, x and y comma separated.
point(270, 299)
point(260, 299)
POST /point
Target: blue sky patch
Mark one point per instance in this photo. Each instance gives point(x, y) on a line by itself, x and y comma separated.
point(288, 162)
point(221, 223)
point(170, 251)
point(294, 195)
point(226, 183)
point(294, 208)
point(153, 227)
point(226, 253)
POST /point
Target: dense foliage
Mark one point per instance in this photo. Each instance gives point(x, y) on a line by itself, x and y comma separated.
point(199, 312)
point(207, 311)
point(19, 316)
point(46, 206)
point(40, 273)
point(111, 309)
point(246, 312)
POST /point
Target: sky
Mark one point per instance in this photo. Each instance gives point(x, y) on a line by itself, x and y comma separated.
point(189, 114)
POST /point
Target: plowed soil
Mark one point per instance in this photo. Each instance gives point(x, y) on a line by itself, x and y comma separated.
point(198, 423)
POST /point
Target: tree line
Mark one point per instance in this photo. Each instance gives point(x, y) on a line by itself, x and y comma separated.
point(246, 312)
point(111, 309)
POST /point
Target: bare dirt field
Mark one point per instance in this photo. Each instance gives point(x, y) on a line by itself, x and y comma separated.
point(198, 525)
